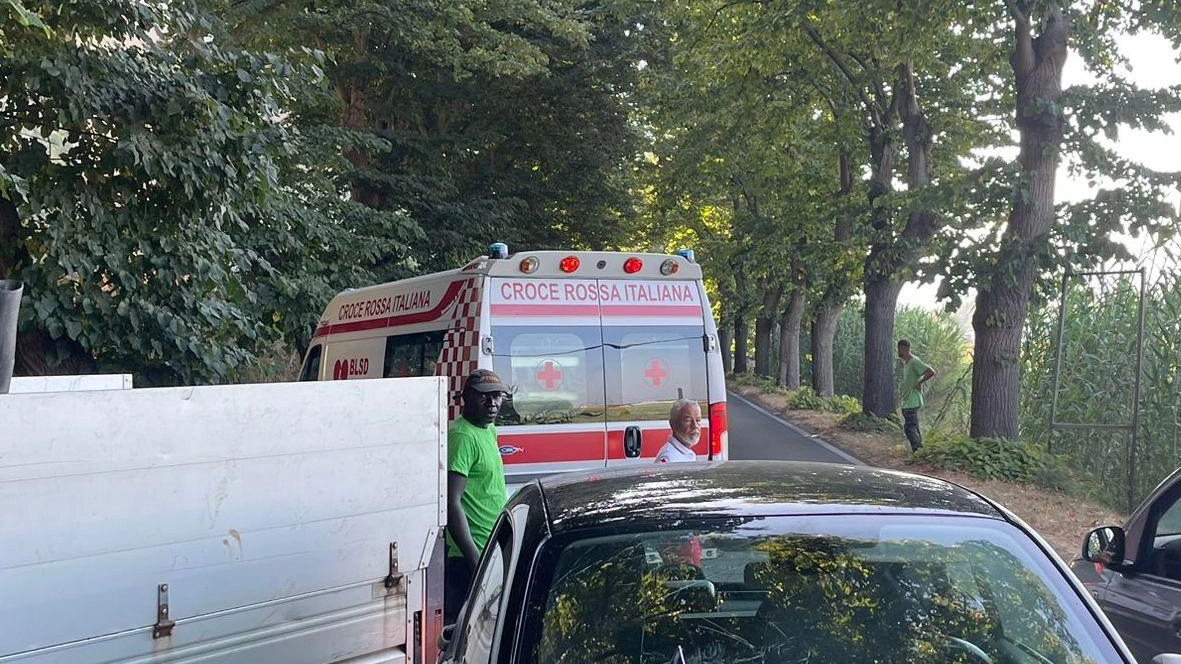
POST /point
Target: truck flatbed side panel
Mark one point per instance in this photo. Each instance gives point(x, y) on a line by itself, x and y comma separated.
point(268, 510)
point(26, 384)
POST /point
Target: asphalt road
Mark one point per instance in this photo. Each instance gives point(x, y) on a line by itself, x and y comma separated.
point(758, 434)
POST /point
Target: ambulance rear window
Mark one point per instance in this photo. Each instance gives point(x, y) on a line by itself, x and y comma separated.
point(556, 374)
point(649, 367)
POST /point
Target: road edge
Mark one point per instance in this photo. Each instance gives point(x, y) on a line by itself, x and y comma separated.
point(806, 434)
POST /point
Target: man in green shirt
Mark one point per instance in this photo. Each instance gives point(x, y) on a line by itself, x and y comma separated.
point(475, 484)
point(915, 372)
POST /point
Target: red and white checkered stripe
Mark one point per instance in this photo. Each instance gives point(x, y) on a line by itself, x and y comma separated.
point(461, 344)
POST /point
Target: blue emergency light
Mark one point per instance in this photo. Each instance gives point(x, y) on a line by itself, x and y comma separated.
point(687, 254)
point(498, 250)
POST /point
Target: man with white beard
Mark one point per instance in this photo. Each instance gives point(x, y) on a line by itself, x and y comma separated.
point(685, 420)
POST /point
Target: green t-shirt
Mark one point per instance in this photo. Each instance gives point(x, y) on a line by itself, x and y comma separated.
point(912, 371)
point(472, 451)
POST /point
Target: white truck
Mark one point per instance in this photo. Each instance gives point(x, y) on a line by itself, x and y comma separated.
point(297, 523)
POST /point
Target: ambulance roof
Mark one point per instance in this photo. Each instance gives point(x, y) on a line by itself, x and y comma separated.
point(419, 295)
point(592, 265)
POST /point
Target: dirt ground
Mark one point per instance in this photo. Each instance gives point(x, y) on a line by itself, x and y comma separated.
point(1059, 518)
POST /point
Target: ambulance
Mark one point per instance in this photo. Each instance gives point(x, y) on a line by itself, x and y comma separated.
point(596, 346)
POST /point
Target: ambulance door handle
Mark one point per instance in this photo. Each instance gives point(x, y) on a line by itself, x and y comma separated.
point(632, 437)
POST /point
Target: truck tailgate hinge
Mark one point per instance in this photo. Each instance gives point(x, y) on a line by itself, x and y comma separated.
point(164, 624)
point(394, 578)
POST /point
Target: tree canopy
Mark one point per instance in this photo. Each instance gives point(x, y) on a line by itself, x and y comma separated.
point(182, 186)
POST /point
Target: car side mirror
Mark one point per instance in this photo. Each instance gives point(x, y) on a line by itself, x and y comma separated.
point(1167, 658)
point(445, 636)
point(1105, 546)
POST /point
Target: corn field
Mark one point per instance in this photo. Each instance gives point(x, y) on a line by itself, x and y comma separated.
point(1095, 386)
point(935, 337)
point(1097, 382)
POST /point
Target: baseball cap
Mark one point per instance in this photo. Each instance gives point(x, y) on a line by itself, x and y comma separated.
point(483, 380)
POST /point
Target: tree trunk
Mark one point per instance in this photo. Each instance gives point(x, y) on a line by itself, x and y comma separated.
point(726, 341)
point(9, 238)
point(353, 92)
point(824, 330)
point(889, 256)
point(877, 388)
point(38, 354)
point(740, 321)
point(828, 314)
point(789, 336)
point(881, 301)
point(740, 352)
point(1003, 298)
point(917, 134)
point(764, 326)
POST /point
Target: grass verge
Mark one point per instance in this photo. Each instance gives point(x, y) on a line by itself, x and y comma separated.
point(1032, 489)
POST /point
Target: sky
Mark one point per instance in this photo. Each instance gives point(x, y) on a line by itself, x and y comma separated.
point(1152, 63)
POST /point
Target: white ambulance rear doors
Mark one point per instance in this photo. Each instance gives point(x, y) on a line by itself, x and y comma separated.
point(596, 365)
point(547, 343)
point(654, 353)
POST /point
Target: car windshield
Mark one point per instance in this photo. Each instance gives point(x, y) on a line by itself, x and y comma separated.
point(832, 589)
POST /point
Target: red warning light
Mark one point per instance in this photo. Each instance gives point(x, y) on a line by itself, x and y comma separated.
point(568, 264)
point(633, 265)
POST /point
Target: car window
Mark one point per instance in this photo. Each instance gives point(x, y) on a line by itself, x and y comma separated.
point(1164, 559)
point(311, 368)
point(1170, 521)
point(484, 602)
point(841, 589)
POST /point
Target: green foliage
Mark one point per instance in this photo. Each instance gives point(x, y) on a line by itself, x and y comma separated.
point(142, 166)
point(803, 398)
point(754, 380)
point(993, 459)
point(858, 421)
point(505, 121)
point(843, 403)
point(183, 192)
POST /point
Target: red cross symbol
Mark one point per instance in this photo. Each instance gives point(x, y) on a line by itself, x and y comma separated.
point(549, 374)
point(656, 373)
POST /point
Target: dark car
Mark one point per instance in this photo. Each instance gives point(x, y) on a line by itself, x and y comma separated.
point(767, 562)
point(1134, 572)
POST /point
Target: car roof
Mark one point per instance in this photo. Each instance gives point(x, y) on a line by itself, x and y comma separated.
point(665, 493)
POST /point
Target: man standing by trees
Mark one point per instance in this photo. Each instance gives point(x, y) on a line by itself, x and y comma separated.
point(915, 372)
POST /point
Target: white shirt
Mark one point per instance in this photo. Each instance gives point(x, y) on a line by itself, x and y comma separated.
point(675, 450)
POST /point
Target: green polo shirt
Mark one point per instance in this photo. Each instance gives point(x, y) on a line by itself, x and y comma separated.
point(472, 451)
point(912, 371)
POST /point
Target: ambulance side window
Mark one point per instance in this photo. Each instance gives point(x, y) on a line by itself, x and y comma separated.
point(412, 354)
point(311, 366)
point(432, 348)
